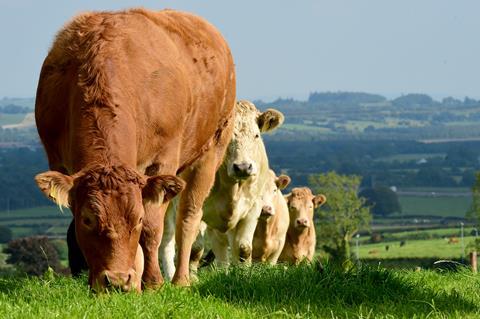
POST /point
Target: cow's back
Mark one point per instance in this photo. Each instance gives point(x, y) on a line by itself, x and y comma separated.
point(165, 79)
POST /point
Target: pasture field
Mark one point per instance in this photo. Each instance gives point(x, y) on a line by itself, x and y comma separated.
point(430, 248)
point(435, 205)
point(44, 220)
point(6, 119)
point(257, 292)
point(402, 158)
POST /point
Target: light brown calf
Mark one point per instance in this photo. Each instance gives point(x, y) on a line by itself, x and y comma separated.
point(300, 240)
point(272, 226)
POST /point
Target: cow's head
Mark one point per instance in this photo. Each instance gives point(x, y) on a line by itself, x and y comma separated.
point(107, 203)
point(273, 188)
point(246, 144)
point(301, 204)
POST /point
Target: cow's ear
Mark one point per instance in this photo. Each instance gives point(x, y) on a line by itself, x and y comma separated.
point(162, 188)
point(282, 181)
point(319, 200)
point(55, 186)
point(269, 120)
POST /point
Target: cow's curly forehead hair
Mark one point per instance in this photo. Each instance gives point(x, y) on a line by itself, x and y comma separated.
point(245, 111)
point(108, 178)
point(301, 193)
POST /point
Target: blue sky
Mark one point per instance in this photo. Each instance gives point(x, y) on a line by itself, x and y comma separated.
point(286, 48)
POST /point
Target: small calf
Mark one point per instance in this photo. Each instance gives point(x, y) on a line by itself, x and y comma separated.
point(272, 226)
point(300, 240)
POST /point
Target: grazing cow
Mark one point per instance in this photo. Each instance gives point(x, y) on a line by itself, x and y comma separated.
point(453, 240)
point(232, 209)
point(272, 226)
point(300, 241)
point(126, 101)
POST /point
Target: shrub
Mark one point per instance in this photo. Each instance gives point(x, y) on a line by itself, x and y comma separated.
point(33, 255)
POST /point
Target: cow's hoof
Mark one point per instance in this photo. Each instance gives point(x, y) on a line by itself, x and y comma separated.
point(245, 252)
point(181, 281)
point(152, 284)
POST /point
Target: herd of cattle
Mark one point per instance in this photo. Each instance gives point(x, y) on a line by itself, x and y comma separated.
point(135, 107)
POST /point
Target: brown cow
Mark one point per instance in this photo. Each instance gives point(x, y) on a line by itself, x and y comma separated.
point(126, 101)
point(272, 226)
point(300, 241)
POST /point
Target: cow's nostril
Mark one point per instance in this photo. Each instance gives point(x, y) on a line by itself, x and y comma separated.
point(250, 168)
point(236, 168)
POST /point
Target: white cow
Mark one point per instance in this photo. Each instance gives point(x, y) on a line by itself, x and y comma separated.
point(233, 207)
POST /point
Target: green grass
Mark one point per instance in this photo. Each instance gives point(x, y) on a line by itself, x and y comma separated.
point(257, 292)
point(435, 206)
point(432, 248)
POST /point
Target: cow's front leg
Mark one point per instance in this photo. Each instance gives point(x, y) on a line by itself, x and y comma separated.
point(241, 243)
point(220, 244)
point(199, 178)
point(150, 241)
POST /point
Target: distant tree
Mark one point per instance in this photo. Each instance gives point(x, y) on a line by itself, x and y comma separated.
point(5, 234)
point(33, 255)
point(413, 100)
point(382, 199)
point(450, 101)
point(470, 102)
point(432, 176)
point(342, 216)
point(344, 98)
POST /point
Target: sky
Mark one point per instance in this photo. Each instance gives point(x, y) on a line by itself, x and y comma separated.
point(290, 48)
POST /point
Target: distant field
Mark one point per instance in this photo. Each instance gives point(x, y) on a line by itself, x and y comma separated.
point(48, 220)
point(10, 118)
point(453, 190)
point(42, 211)
point(409, 157)
point(438, 248)
point(435, 206)
point(301, 127)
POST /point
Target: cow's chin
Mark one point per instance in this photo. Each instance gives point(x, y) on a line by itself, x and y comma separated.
point(301, 228)
point(240, 177)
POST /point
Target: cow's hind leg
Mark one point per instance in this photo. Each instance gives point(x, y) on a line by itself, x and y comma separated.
point(167, 247)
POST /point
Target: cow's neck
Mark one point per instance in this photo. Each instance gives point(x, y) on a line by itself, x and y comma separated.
point(299, 237)
point(101, 136)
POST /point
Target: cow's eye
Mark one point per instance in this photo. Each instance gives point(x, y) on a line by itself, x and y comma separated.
point(257, 135)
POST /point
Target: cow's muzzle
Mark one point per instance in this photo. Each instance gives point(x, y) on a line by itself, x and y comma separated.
point(242, 170)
